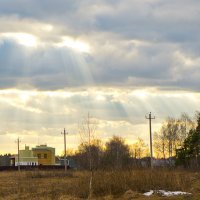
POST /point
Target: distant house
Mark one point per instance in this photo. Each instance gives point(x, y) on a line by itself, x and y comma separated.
point(5, 160)
point(26, 157)
point(70, 162)
point(168, 162)
point(45, 154)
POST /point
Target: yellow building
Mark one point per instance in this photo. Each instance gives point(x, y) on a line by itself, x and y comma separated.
point(45, 154)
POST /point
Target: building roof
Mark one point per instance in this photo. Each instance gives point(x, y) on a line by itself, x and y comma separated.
point(43, 147)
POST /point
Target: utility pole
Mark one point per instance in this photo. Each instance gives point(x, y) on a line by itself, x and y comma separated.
point(89, 140)
point(65, 160)
point(18, 160)
point(151, 149)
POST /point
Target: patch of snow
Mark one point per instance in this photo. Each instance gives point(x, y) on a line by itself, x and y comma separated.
point(148, 193)
point(166, 193)
point(175, 193)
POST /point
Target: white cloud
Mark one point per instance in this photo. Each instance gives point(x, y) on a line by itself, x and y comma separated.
point(74, 44)
point(33, 114)
point(118, 59)
point(24, 39)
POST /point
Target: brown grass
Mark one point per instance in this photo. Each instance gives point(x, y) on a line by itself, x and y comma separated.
point(127, 184)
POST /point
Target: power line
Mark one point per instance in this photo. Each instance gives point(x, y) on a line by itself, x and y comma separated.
point(151, 149)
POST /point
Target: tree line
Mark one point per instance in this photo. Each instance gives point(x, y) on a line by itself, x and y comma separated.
point(178, 139)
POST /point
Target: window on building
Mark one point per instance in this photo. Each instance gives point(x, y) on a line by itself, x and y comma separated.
point(45, 155)
point(39, 155)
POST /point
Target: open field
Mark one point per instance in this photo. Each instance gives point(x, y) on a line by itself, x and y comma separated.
point(107, 185)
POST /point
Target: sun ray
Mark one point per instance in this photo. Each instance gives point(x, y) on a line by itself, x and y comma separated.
point(24, 39)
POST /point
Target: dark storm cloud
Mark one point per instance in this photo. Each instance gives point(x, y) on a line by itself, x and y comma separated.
point(134, 44)
point(174, 20)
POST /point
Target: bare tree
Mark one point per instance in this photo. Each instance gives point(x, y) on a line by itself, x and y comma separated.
point(185, 125)
point(87, 130)
point(160, 143)
point(172, 130)
point(117, 153)
point(139, 148)
point(172, 135)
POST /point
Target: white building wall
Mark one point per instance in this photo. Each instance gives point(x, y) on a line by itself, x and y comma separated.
point(26, 163)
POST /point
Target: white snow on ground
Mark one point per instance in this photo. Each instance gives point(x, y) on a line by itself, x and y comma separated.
point(169, 193)
point(148, 193)
point(166, 193)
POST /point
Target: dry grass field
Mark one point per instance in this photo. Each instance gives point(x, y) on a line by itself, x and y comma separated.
point(107, 185)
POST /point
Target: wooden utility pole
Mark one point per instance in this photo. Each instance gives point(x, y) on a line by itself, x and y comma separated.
point(89, 141)
point(65, 160)
point(18, 156)
point(151, 149)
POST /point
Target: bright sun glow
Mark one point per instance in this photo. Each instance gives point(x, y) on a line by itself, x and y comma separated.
point(75, 44)
point(24, 39)
point(140, 93)
point(47, 27)
point(100, 97)
point(24, 97)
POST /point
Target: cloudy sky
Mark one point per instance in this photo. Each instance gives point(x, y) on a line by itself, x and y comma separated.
point(116, 59)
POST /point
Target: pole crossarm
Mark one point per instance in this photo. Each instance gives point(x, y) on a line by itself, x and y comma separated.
point(150, 117)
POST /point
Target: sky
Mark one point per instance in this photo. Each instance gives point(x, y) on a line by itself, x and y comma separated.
point(117, 60)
